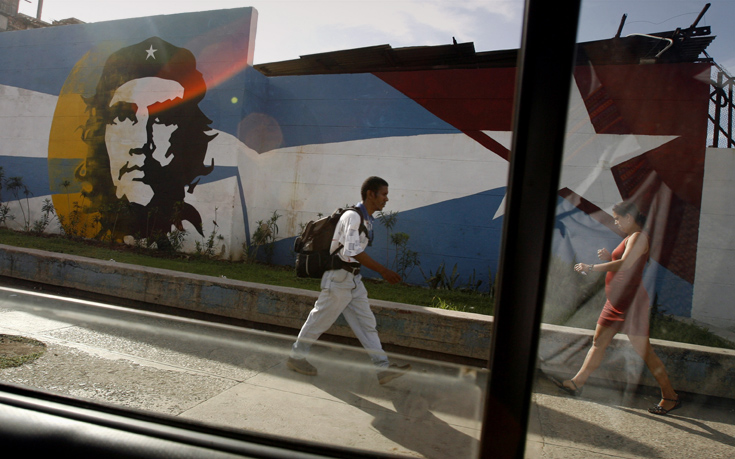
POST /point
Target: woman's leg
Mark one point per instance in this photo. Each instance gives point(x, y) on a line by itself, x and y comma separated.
point(602, 338)
point(642, 345)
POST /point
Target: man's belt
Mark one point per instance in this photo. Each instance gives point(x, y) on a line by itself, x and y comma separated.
point(351, 268)
point(338, 263)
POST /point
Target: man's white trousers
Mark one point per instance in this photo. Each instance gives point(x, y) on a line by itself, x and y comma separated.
point(342, 293)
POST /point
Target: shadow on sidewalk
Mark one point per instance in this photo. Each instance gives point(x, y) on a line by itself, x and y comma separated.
point(410, 420)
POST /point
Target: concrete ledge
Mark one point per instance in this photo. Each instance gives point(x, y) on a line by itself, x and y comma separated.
point(694, 369)
point(691, 368)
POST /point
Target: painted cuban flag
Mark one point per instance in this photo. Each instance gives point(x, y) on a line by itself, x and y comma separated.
point(299, 146)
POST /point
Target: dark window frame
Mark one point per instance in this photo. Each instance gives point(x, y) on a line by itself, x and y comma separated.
point(539, 127)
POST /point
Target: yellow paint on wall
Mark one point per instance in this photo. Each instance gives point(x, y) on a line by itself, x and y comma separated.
point(67, 147)
point(65, 138)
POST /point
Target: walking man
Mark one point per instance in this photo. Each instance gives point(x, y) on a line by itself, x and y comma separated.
point(342, 290)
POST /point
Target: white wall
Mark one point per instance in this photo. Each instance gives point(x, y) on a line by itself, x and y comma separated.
point(714, 284)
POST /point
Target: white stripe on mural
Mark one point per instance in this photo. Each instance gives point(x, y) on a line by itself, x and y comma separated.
point(26, 118)
point(421, 170)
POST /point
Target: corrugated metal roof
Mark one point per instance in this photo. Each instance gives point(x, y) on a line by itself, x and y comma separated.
point(384, 58)
point(686, 46)
point(673, 46)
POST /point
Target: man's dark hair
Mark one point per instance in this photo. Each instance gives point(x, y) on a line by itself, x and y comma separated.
point(373, 184)
point(189, 144)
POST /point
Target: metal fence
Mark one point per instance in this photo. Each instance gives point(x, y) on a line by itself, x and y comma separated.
point(719, 124)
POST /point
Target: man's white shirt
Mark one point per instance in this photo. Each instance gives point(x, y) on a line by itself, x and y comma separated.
point(349, 236)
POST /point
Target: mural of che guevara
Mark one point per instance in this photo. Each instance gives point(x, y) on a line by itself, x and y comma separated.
point(147, 139)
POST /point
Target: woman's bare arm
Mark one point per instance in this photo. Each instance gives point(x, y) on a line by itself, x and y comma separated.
point(636, 247)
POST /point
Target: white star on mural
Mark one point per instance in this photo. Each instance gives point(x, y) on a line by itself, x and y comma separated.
point(151, 52)
point(589, 156)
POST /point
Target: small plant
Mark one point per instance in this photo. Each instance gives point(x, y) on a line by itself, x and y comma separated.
point(389, 220)
point(473, 283)
point(176, 236)
point(439, 303)
point(47, 213)
point(209, 247)
point(264, 236)
point(492, 285)
point(176, 239)
point(405, 259)
point(113, 211)
point(441, 280)
point(16, 186)
point(74, 224)
point(5, 214)
point(150, 222)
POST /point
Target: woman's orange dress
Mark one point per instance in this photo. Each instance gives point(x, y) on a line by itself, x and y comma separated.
point(626, 309)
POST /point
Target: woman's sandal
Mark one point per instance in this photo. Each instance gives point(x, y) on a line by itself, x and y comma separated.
point(560, 384)
point(661, 411)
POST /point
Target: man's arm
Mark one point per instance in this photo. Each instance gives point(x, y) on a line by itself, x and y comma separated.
point(367, 261)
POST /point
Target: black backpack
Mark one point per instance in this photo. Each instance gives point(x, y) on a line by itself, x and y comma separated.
point(312, 246)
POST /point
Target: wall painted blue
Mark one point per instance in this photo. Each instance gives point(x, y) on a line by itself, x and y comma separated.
point(33, 171)
point(315, 109)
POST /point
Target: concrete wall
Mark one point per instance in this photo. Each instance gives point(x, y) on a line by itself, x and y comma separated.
point(416, 329)
point(714, 290)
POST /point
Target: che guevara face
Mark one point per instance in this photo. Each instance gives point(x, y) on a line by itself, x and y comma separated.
point(140, 129)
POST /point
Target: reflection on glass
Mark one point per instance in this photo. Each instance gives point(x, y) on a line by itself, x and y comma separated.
point(637, 313)
point(234, 378)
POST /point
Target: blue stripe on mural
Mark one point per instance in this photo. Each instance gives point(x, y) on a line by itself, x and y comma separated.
point(32, 171)
point(320, 109)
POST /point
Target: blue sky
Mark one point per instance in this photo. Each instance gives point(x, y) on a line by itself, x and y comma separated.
point(290, 28)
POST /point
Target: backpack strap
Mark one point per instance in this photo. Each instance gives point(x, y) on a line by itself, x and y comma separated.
point(363, 228)
point(336, 261)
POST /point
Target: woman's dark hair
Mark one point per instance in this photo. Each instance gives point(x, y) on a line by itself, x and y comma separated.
point(373, 184)
point(630, 208)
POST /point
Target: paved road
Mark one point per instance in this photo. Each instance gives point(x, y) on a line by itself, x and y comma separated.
point(238, 379)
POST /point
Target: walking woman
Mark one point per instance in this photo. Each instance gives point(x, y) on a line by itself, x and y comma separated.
point(626, 309)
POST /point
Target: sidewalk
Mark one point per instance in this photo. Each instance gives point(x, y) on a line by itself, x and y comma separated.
point(223, 377)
